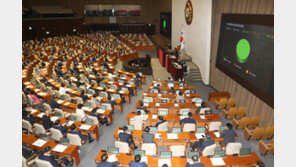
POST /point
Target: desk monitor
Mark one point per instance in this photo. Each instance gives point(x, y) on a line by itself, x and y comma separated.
point(89, 92)
point(103, 107)
point(198, 100)
point(140, 152)
point(89, 121)
point(220, 154)
point(245, 151)
point(112, 79)
point(171, 85)
point(200, 130)
point(185, 112)
point(162, 112)
point(102, 95)
point(113, 87)
point(57, 114)
point(102, 85)
point(114, 97)
point(146, 100)
point(113, 150)
point(164, 101)
point(192, 153)
point(121, 82)
point(177, 130)
point(165, 154)
point(65, 141)
point(208, 112)
point(182, 101)
point(222, 128)
point(124, 89)
point(153, 129)
point(87, 104)
point(124, 76)
point(131, 83)
point(130, 127)
point(73, 118)
point(43, 136)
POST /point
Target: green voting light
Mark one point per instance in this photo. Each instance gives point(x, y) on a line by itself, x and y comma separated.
point(243, 50)
point(164, 24)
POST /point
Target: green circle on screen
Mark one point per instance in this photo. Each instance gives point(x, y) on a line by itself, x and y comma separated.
point(164, 24)
point(242, 50)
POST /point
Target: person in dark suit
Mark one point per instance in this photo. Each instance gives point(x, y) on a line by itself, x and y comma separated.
point(82, 136)
point(172, 90)
point(46, 122)
point(194, 162)
point(102, 120)
point(51, 158)
point(161, 120)
point(58, 126)
point(142, 108)
point(189, 119)
point(228, 134)
point(53, 103)
point(170, 80)
point(112, 102)
point(202, 144)
point(125, 137)
point(26, 116)
point(147, 136)
point(137, 162)
point(83, 95)
point(203, 105)
point(157, 87)
point(104, 162)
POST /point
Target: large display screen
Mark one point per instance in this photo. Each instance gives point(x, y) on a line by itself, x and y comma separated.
point(165, 24)
point(246, 52)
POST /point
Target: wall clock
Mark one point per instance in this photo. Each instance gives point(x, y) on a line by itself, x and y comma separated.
point(188, 12)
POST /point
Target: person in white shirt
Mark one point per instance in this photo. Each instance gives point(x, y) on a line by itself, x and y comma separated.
point(80, 112)
point(110, 76)
point(62, 90)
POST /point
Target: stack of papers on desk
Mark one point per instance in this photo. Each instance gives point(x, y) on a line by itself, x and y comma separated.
point(39, 143)
point(68, 89)
point(159, 95)
point(41, 94)
point(84, 127)
point(144, 116)
point(146, 104)
point(100, 111)
point(40, 115)
point(154, 116)
point(121, 91)
point(85, 108)
point(60, 101)
point(33, 111)
point(70, 123)
point(176, 105)
point(54, 118)
point(30, 86)
point(199, 135)
point(37, 90)
point(164, 161)
point(172, 136)
point(188, 95)
point(181, 87)
point(144, 159)
point(202, 117)
point(112, 158)
point(198, 104)
point(182, 117)
point(144, 94)
point(100, 88)
point(128, 86)
point(217, 134)
point(157, 135)
point(110, 82)
point(157, 104)
point(27, 83)
point(67, 103)
point(217, 161)
point(59, 148)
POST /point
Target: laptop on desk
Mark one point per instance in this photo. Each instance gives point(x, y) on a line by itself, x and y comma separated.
point(245, 152)
point(113, 150)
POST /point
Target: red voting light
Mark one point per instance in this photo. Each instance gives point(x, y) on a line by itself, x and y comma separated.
point(233, 64)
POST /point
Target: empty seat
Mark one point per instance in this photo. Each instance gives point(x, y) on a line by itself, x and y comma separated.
point(26, 125)
point(150, 148)
point(268, 133)
point(56, 134)
point(209, 150)
point(39, 129)
point(233, 148)
point(94, 119)
point(253, 134)
point(239, 124)
point(178, 150)
point(254, 122)
point(230, 113)
point(163, 127)
point(123, 147)
point(266, 147)
point(188, 127)
point(214, 126)
point(78, 100)
point(138, 124)
point(221, 103)
point(76, 140)
point(241, 112)
point(230, 102)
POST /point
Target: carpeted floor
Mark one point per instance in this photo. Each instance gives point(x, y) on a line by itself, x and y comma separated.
point(90, 151)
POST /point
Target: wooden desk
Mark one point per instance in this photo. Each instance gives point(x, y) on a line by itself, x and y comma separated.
point(176, 87)
point(218, 95)
point(159, 95)
point(71, 151)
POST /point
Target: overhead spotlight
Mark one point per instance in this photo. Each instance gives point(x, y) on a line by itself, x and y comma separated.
point(47, 32)
point(149, 25)
point(74, 30)
point(30, 27)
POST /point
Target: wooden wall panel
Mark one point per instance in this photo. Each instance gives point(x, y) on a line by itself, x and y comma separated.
point(220, 81)
point(150, 9)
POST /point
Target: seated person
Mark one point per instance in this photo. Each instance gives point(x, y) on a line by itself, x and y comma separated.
point(94, 99)
point(139, 117)
point(137, 162)
point(53, 103)
point(51, 158)
point(189, 119)
point(102, 120)
point(46, 121)
point(83, 95)
point(260, 164)
point(58, 126)
point(172, 90)
point(179, 97)
point(170, 80)
point(112, 102)
point(117, 84)
point(82, 136)
point(147, 136)
point(203, 105)
point(80, 112)
point(194, 162)
point(182, 80)
point(125, 137)
point(161, 120)
point(202, 144)
point(143, 108)
point(26, 116)
point(105, 163)
point(228, 134)
point(62, 90)
point(34, 97)
point(157, 88)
